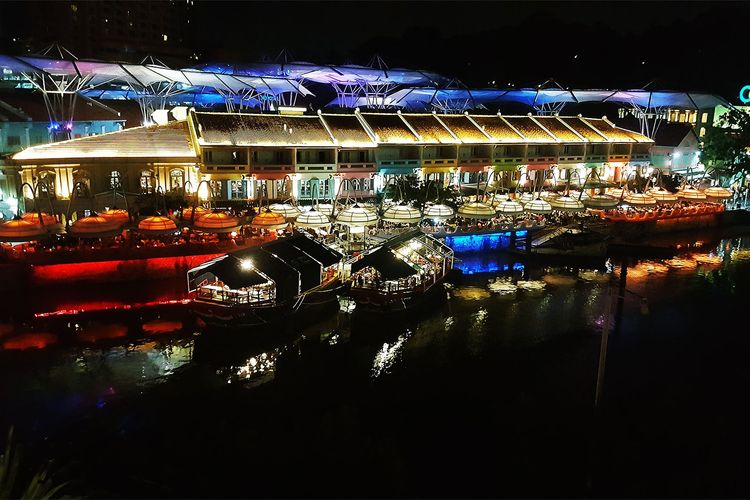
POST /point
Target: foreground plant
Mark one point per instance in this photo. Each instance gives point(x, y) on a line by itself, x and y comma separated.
point(40, 486)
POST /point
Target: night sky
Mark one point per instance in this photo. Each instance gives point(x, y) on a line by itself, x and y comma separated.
point(675, 45)
point(700, 46)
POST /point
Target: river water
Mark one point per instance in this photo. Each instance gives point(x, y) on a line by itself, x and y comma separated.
point(489, 393)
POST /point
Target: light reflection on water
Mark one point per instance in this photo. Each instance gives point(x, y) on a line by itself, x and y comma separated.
point(388, 355)
point(509, 308)
point(257, 369)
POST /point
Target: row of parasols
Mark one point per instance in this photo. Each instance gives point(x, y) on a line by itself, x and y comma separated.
point(33, 225)
point(546, 202)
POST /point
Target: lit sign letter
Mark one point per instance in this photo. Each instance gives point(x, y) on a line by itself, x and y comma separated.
point(745, 94)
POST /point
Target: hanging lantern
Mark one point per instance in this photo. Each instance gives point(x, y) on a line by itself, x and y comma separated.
point(661, 195)
point(157, 225)
point(476, 210)
point(357, 216)
point(548, 195)
point(187, 213)
point(601, 201)
point(216, 222)
point(718, 193)
point(639, 199)
point(19, 230)
point(95, 226)
point(325, 208)
point(268, 220)
point(538, 206)
point(312, 218)
point(616, 192)
point(116, 215)
point(287, 210)
point(402, 214)
point(578, 195)
point(33, 217)
point(369, 206)
point(438, 211)
point(690, 193)
point(509, 208)
point(567, 204)
point(525, 198)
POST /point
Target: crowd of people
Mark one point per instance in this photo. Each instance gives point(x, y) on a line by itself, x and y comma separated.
point(662, 210)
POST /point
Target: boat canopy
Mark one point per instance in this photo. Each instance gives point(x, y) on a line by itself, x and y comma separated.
point(294, 264)
point(386, 263)
point(228, 270)
point(398, 257)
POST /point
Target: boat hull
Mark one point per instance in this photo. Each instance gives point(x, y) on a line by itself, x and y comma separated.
point(385, 304)
point(309, 306)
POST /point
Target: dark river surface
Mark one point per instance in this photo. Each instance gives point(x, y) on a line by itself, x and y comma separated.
point(489, 393)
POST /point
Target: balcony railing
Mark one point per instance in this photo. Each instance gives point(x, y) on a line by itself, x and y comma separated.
point(439, 162)
point(399, 163)
point(357, 166)
point(316, 167)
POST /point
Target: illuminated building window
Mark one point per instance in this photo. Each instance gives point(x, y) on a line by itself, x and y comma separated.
point(215, 188)
point(115, 179)
point(704, 117)
point(176, 179)
point(306, 188)
point(147, 181)
point(165, 37)
point(702, 132)
point(238, 189)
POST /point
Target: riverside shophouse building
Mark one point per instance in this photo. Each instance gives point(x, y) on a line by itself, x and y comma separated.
point(253, 156)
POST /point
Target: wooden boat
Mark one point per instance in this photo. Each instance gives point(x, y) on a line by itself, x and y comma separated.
point(266, 284)
point(400, 274)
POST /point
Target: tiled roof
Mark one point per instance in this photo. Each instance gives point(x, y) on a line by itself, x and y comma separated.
point(529, 129)
point(348, 131)
point(464, 129)
point(390, 128)
point(169, 141)
point(173, 140)
point(430, 129)
point(615, 133)
point(498, 129)
point(558, 128)
point(585, 130)
point(261, 130)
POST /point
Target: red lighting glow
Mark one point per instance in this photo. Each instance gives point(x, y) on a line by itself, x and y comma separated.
point(160, 327)
point(101, 306)
point(117, 270)
point(31, 340)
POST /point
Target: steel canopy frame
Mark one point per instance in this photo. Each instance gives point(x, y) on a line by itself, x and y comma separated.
point(151, 83)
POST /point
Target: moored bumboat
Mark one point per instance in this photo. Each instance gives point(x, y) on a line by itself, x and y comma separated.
point(265, 284)
point(399, 274)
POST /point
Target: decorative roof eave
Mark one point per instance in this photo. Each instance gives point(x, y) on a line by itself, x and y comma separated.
point(271, 144)
point(77, 160)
